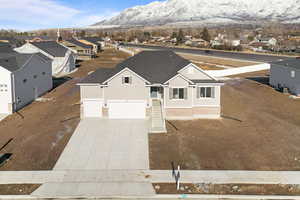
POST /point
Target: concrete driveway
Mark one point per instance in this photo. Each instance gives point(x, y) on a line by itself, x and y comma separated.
point(104, 144)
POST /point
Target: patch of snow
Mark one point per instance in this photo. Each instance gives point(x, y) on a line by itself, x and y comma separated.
point(174, 12)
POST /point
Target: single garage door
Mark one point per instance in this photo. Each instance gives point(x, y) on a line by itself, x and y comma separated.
point(92, 108)
point(127, 109)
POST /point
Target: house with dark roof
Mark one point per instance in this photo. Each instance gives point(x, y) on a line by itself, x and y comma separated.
point(63, 59)
point(82, 50)
point(23, 78)
point(152, 84)
point(286, 74)
point(98, 43)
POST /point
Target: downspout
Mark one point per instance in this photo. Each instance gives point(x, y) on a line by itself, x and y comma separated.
point(14, 106)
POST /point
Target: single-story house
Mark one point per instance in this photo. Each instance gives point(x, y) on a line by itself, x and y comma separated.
point(63, 58)
point(151, 83)
point(286, 74)
point(270, 41)
point(83, 51)
point(23, 78)
point(97, 42)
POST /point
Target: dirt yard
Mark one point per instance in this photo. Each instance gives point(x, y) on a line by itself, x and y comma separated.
point(25, 189)
point(217, 61)
point(259, 130)
point(40, 131)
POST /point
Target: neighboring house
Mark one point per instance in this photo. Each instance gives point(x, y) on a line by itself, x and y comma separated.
point(148, 84)
point(23, 78)
point(286, 74)
point(269, 41)
point(35, 38)
point(258, 47)
point(63, 58)
point(6, 49)
point(97, 43)
point(235, 43)
point(13, 42)
point(83, 51)
point(197, 42)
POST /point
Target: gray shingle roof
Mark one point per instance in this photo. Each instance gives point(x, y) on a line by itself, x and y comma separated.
point(206, 81)
point(291, 63)
point(157, 67)
point(14, 62)
point(52, 48)
point(78, 43)
point(94, 40)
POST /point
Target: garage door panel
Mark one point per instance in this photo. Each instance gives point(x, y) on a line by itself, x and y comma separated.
point(127, 110)
point(92, 108)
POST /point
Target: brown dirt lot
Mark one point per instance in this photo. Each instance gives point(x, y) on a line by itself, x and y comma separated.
point(229, 189)
point(260, 130)
point(217, 61)
point(41, 130)
point(25, 189)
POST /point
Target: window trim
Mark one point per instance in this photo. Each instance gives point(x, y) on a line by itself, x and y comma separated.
point(185, 94)
point(213, 92)
point(129, 80)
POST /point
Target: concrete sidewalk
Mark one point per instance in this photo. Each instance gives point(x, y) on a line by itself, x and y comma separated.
point(150, 176)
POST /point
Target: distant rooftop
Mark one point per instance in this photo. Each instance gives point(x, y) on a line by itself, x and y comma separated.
point(78, 43)
point(52, 48)
point(292, 63)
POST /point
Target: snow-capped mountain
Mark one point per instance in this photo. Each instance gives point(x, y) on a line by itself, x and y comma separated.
point(208, 11)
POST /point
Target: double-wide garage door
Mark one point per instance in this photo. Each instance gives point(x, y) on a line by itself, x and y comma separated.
point(127, 109)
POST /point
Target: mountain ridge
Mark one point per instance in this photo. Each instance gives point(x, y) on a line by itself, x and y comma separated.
point(207, 11)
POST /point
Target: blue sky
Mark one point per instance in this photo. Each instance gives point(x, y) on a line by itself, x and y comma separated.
point(38, 14)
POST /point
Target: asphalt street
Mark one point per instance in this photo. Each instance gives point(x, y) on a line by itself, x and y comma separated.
point(214, 53)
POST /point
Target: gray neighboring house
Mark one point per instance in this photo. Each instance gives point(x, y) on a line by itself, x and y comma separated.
point(286, 74)
point(152, 84)
point(63, 58)
point(23, 78)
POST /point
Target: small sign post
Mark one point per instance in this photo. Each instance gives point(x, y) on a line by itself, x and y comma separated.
point(178, 177)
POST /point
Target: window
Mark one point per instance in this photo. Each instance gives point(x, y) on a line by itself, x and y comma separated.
point(293, 74)
point(205, 92)
point(178, 93)
point(34, 76)
point(126, 80)
point(25, 80)
point(44, 73)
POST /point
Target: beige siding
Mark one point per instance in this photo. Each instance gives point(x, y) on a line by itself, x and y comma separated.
point(208, 101)
point(91, 92)
point(195, 75)
point(137, 90)
point(193, 113)
point(178, 82)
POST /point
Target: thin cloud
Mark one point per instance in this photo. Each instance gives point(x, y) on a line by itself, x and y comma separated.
point(36, 14)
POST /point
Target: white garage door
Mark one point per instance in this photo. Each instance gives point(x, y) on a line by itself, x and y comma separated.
point(92, 108)
point(127, 109)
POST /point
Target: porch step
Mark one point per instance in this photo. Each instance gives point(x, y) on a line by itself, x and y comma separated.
point(157, 122)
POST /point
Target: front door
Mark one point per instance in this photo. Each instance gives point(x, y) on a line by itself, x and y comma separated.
point(156, 92)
